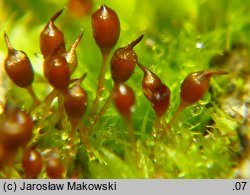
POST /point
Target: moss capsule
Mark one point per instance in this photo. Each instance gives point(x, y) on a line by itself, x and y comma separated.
point(54, 166)
point(80, 8)
point(123, 62)
point(106, 28)
point(7, 155)
point(51, 37)
point(18, 66)
point(32, 163)
point(57, 71)
point(124, 99)
point(196, 84)
point(155, 91)
point(16, 129)
point(75, 101)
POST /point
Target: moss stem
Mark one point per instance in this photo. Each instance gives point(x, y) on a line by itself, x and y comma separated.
point(157, 127)
point(30, 90)
point(97, 117)
point(132, 139)
point(62, 112)
point(100, 84)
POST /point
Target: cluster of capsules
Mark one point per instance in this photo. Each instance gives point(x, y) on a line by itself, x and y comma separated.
point(17, 125)
point(59, 64)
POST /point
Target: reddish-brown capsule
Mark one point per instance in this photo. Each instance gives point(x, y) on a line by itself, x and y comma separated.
point(106, 28)
point(56, 70)
point(51, 37)
point(196, 84)
point(32, 163)
point(80, 8)
point(75, 101)
point(54, 167)
point(16, 129)
point(71, 56)
point(155, 91)
point(18, 66)
point(7, 154)
point(123, 62)
point(124, 99)
point(3, 155)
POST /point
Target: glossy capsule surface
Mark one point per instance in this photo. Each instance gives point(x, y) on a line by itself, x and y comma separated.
point(32, 163)
point(123, 62)
point(51, 37)
point(155, 91)
point(54, 167)
point(196, 84)
point(75, 101)
point(106, 28)
point(57, 71)
point(18, 66)
point(16, 129)
point(124, 99)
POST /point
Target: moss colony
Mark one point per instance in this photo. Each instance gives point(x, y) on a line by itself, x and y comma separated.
point(106, 89)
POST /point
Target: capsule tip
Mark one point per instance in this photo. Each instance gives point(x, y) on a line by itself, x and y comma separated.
point(142, 67)
point(103, 7)
point(80, 80)
point(135, 42)
point(56, 15)
point(7, 41)
point(210, 73)
point(80, 36)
